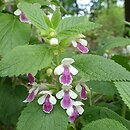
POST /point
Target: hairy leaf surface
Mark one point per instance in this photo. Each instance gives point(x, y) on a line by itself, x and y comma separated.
point(25, 59)
point(12, 33)
point(33, 118)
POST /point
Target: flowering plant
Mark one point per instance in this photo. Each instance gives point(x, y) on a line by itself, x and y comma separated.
point(59, 70)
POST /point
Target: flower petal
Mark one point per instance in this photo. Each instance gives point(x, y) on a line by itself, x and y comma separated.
point(45, 92)
point(47, 106)
point(80, 110)
point(74, 116)
point(70, 111)
point(73, 70)
point(66, 102)
point(32, 89)
point(74, 43)
point(23, 18)
point(17, 12)
point(30, 97)
point(77, 103)
point(52, 100)
point(83, 42)
point(31, 78)
point(36, 91)
point(73, 95)
point(78, 88)
point(83, 94)
point(41, 99)
point(82, 48)
point(59, 70)
point(60, 94)
point(67, 61)
point(65, 80)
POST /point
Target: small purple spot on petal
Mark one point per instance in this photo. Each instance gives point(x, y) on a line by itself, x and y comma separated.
point(47, 106)
point(66, 77)
point(74, 115)
point(66, 101)
point(31, 78)
point(23, 18)
point(83, 94)
point(31, 97)
point(82, 48)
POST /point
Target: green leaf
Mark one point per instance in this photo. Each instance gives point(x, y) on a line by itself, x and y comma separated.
point(11, 103)
point(34, 14)
point(12, 33)
point(25, 59)
point(124, 91)
point(33, 118)
point(104, 88)
point(114, 42)
point(96, 112)
point(107, 113)
point(93, 67)
point(71, 26)
point(56, 18)
point(105, 124)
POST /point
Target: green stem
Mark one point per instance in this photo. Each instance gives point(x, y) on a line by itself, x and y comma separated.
point(57, 57)
point(90, 98)
point(124, 108)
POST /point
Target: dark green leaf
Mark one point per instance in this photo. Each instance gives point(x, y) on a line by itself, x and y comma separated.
point(11, 103)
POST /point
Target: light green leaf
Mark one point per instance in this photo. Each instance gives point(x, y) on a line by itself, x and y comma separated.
point(34, 14)
point(114, 42)
point(124, 91)
point(105, 124)
point(93, 67)
point(71, 26)
point(56, 18)
point(11, 103)
point(25, 59)
point(12, 33)
point(33, 118)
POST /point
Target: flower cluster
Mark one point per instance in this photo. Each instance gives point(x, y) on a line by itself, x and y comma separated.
point(67, 94)
point(73, 108)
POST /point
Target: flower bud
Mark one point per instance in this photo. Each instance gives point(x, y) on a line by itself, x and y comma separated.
point(128, 48)
point(54, 41)
point(49, 72)
point(52, 34)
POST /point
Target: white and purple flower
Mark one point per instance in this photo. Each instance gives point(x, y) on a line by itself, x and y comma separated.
point(65, 70)
point(32, 93)
point(47, 100)
point(75, 110)
point(82, 89)
point(66, 94)
point(80, 44)
point(22, 16)
point(31, 79)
